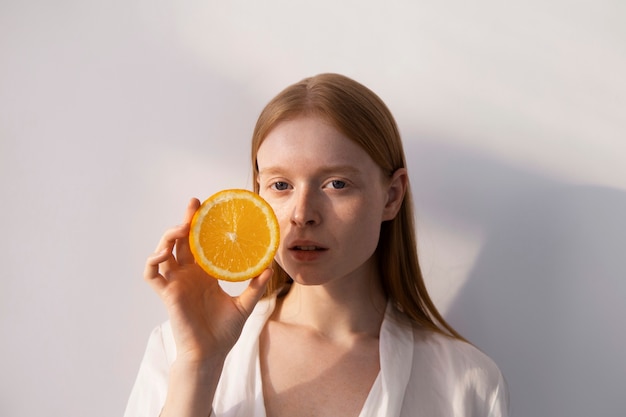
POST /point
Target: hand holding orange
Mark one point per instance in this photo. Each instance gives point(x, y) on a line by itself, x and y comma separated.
point(234, 235)
point(206, 321)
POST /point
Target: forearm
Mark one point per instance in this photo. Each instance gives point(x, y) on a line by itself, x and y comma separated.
point(191, 389)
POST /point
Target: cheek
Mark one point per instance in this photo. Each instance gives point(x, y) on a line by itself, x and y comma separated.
point(282, 214)
point(363, 225)
point(277, 207)
point(284, 220)
point(366, 234)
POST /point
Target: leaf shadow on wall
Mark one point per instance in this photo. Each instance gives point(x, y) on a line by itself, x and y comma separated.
point(545, 297)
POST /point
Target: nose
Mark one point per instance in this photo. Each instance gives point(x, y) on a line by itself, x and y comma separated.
point(306, 208)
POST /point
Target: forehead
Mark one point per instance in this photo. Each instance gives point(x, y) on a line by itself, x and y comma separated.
point(310, 141)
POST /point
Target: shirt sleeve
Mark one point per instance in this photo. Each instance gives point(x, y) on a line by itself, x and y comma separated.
point(500, 401)
point(453, 378)
point(150, 389)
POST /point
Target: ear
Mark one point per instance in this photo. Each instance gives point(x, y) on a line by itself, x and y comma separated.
point(396, 188)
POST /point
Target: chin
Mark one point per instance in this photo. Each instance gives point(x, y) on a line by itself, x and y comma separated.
point(308, 279)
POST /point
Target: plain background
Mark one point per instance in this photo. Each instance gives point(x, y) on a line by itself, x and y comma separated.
point(113, 114)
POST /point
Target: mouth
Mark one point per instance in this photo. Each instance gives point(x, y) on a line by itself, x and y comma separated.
point(302, 245)
point(306, 251)
point(308, 248)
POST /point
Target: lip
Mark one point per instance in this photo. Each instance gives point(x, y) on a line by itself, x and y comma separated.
point(306, 245)
point(306, 250)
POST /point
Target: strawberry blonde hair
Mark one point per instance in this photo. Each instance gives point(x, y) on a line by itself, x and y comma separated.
point(361, 115)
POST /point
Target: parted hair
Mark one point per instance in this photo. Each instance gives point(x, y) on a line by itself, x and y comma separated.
point(363, 117)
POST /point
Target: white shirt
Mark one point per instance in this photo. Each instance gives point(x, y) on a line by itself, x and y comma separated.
point(422, 374)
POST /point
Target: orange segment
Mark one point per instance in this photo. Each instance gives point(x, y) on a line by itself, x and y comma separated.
point(234, 235)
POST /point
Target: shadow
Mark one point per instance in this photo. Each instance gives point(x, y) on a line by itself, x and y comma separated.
point(545, 297)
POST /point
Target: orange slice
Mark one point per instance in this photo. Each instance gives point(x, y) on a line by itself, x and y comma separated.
point(234, 235)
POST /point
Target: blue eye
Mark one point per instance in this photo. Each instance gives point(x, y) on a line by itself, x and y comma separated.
point(280, 186)
point(337, 184)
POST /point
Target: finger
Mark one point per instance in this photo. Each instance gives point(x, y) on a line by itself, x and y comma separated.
point(183, 253)
point(254, 291)
point(192, 207)
point(151, 271)
point(167, 243)
point(168, 239)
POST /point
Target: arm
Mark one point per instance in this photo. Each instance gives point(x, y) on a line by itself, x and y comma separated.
point(191, 388)
point(206, 321)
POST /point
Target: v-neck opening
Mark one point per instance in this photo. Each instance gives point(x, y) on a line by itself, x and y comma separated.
point(395, 358)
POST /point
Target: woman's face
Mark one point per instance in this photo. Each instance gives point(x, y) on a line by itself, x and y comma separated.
point(330, 198)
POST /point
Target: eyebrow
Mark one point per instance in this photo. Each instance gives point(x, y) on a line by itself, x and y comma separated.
point(343, 169)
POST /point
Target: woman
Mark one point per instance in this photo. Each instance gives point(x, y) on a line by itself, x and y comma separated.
point(342, 324)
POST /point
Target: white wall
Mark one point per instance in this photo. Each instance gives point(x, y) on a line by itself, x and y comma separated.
point(113, 114)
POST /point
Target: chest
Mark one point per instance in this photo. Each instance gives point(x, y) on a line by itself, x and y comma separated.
point(306, 375)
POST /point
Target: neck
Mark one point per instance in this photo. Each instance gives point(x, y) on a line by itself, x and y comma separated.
point(338, 309)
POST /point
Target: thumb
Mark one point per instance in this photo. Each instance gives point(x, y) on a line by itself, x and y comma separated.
point(254, 291)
